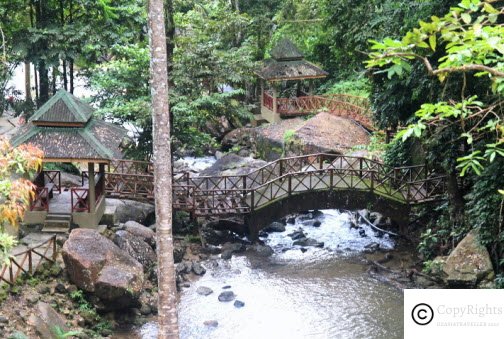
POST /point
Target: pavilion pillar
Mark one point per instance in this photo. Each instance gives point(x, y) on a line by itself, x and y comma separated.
point(91, 187)
point(101, 171)
point(262, 91)
point(275, 95)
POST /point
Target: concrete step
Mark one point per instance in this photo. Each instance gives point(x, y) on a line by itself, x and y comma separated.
point(58, 216)
point(57, 223)
point(47, 229)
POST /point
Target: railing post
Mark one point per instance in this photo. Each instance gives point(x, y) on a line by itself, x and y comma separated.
point(252, 202)
point(321, 161)
point(281, 167)
point(244, 184)
point(331, 178)
point(289, 180)
point(372, 180)
point(54, 254)
point(360, 167)
point(30, 264)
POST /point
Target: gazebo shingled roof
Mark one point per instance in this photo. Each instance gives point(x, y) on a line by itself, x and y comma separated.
point(288, 64)
point(64, 129)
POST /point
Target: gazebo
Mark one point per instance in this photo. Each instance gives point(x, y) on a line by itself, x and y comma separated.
point(66, 131)
point(286, 71)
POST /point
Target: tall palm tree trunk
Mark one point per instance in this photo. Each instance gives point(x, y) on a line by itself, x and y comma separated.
point(167, 303)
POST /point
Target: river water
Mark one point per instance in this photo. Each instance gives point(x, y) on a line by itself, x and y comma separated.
point(319, 293)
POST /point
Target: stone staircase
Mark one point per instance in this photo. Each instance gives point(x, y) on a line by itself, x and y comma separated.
point(57, 223)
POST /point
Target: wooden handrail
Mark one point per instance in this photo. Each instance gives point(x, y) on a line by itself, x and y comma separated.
point(27, 255)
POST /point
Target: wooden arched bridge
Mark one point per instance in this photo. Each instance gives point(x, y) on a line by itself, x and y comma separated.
point(282, 179)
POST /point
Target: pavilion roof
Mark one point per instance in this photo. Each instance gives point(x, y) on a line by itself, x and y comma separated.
point(288, 64)
point(63, 109)
point(84, 138)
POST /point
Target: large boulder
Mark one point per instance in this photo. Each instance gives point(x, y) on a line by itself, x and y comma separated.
point(96, 265)
point(232, 164)
point(469, 263)
point(137, 248)
point(139, 230)
point(47, 322)
point(121, 211)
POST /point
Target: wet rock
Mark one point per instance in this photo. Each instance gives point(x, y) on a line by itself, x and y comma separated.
point(299, 234)
point(145, 309)
point(232, 164)
point(45, 319)
point(291, 220)
point(317, 214)
point(238, 304)
point(372, 247)
point(376, 218)
point(211, 249)
point(305, 216)
point(32, 298)
point(226, 296)
point(312, 223)
point(60, 288)
point(198, 269)
point(227, 287)
point(203, 290)
point(216, 237)
point(137, 248)
point(364, 213)
point(308, 242)
point(211, 323)
point(178, 253)
point(275, 227)
point(185, 267)
point(303, 250)
point(3, 320)
point(139, 230)
point(229, 248)
point(261, 250)
point(263, 234)
point(43, 289)
point(96, 265)
point(362, 233)
point(469, 263)
point(121, 211)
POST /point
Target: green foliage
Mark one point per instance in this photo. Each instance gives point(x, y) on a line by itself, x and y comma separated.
point(61, 334)
point(288, 136)
point(18, 335)
point(358, 87)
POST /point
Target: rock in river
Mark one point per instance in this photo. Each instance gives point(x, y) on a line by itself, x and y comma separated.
point(275, 227)
point(203, 290)
point(469, 263)
point(238, 304)
point(308, 242)
point(227, 296)
point(96, 265)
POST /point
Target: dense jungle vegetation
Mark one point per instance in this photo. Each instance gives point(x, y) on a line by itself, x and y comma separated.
point(372, 48)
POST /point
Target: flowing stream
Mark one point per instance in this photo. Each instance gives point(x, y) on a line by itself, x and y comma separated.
point(296, 293)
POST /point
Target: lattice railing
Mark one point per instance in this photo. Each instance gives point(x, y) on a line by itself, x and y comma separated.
point(28, 261)
point(239, 194)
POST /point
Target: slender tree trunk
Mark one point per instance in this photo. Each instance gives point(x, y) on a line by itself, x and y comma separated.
point(71, 70)
point(27, 68)
point(167, 302)
point(43, 83)
point(62, 18)
point(54, 78)
point(35, 77)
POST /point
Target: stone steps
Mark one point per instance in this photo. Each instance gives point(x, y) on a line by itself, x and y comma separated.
point(57, 223)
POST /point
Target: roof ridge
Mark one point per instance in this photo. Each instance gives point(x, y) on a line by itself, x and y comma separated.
point(24, 137)
point(97, 146)
point(74, 108)
point(45, 107)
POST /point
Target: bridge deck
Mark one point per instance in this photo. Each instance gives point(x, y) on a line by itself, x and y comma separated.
point(231, 195)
